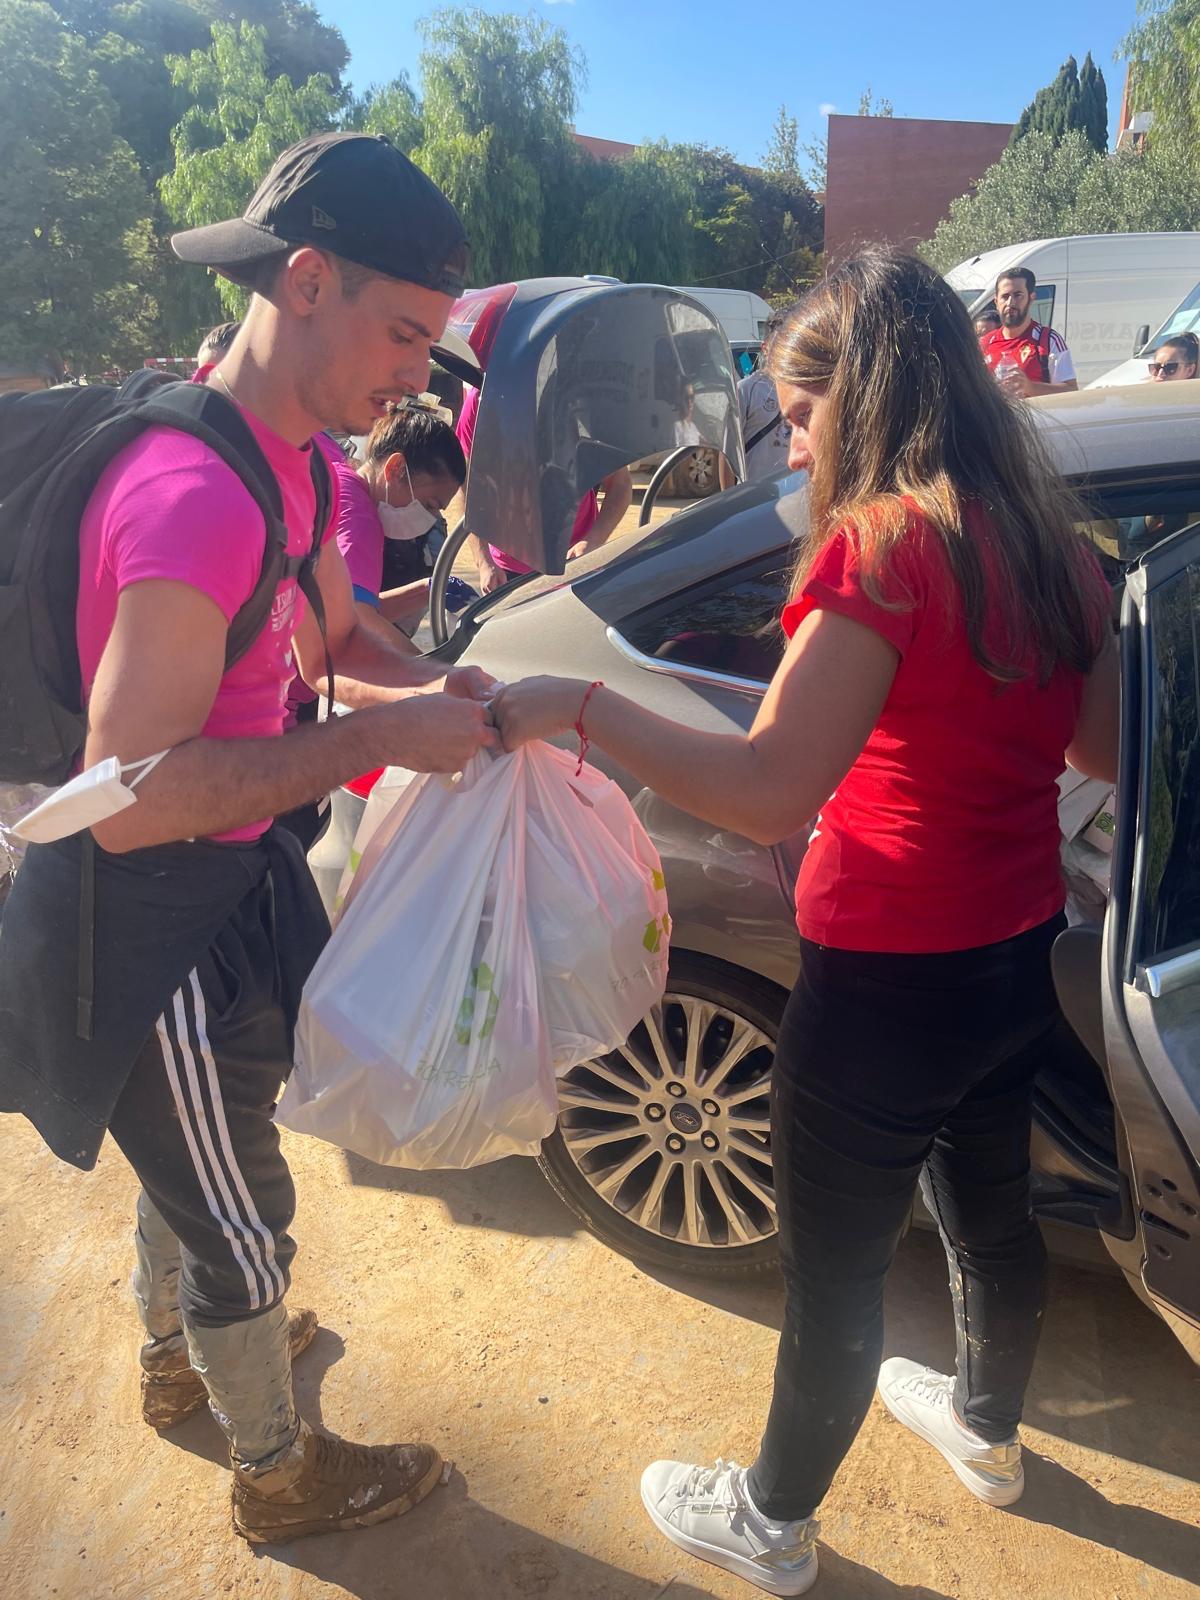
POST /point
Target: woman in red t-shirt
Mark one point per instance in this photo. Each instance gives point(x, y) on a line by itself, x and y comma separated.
point(948, 650)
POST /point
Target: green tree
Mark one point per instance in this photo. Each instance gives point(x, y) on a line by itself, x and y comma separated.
point(1093, 94)
point(637, 217)
point(1075, 101)
point(299, 43)
point(499, 100)
point(1163, 50)
point(750, 224)
point(868, 106)
point(74, 210)
point(783, 152)
point(1042, 187)
point(392, 109)
point(239, 119)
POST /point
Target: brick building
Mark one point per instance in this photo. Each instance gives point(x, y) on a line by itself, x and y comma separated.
point(891, 179)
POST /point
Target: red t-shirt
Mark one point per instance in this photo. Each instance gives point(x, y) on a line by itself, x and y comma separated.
point(1041, 354)
point(944, 833)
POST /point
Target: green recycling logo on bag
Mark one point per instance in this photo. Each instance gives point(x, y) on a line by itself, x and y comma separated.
point(481, 983)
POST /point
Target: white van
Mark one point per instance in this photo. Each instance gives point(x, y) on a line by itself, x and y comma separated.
point(742, 314)
point(1102, 292)
point(1184, 319)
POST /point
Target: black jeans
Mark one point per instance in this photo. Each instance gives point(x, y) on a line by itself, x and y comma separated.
point(886, 1064)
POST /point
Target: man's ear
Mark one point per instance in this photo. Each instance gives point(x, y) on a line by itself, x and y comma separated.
point(307, 279)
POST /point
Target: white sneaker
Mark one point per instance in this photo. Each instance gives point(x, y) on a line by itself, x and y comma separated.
point(923, 1400)
point(708, 1512)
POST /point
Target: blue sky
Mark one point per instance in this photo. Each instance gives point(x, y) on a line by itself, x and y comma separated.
point(716, 73)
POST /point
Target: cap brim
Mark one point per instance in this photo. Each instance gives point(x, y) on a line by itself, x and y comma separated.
point(234, 248)
point(453, 353)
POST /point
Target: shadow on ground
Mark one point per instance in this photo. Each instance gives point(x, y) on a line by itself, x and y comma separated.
point(466, 1552)
point(510, 1195)
point(1110, 1377)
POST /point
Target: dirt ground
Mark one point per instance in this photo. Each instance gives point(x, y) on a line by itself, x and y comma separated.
point(467, 1308)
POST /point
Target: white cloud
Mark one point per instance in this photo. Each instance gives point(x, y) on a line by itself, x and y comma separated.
point(827, 108)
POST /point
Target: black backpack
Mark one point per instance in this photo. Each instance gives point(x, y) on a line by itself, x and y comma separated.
point(54, 444)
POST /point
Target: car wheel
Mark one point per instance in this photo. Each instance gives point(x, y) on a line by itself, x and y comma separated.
point(696, 477)
point(663, 1148)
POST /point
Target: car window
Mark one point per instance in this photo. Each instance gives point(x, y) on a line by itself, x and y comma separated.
point(1131, 520)
point(1171, 914)
point(729, 625)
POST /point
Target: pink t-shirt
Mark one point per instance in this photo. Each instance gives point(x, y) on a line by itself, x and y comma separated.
point(359, 533)
point(167, 507)
point(585, 517)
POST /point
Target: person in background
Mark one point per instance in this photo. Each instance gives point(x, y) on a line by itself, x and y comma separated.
point(413, 467)
point(216, 343)
point(766, 435)
point(923, 712)
point(987, 322)
point(1176, 359)
point(1027, 357)
point(598, 517)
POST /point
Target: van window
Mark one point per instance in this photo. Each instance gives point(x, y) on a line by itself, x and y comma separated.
point(1043, 304)
point(1184, 319)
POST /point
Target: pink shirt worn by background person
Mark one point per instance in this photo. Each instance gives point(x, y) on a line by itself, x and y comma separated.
point(585, 517)
point(167, 507)
point(359, 533)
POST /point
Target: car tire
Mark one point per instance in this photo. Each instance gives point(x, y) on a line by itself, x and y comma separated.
point(734, 1008)
point(696, 477)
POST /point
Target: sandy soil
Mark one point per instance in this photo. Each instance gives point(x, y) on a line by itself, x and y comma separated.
point(466, 1308)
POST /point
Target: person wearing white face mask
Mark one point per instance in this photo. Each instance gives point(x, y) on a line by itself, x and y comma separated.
point(412, 468)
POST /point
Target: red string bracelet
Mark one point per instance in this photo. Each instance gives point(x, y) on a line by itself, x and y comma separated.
point(584, 742)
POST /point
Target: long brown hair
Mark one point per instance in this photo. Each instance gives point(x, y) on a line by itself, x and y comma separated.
point(914, 415)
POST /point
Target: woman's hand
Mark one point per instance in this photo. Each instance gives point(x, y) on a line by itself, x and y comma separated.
point(537, 708)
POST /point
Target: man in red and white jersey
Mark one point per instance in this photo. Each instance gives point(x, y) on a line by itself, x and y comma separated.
point(1027, 357)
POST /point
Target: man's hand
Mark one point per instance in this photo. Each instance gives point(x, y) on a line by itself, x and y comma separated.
point(470, 683)
point(430, 732)
point(579, 548)
point(1016, 383)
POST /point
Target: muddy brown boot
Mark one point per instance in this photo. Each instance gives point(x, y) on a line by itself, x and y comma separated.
point(172, 1391)
point(324, 1485)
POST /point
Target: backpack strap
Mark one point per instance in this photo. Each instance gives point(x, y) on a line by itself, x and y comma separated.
point(212, 418)
point(207, 415)
point(1044, 352)
point(306, 571)
point(767, 427)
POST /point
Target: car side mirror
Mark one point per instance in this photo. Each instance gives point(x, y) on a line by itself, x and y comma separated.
point(1142, 339)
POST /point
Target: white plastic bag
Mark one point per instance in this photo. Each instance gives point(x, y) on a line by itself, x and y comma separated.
point(498, 930)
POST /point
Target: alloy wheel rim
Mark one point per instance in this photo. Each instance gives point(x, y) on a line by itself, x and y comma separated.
point(673, 1129)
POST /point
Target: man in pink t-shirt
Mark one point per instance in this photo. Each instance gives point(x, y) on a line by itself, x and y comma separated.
point(198, 926)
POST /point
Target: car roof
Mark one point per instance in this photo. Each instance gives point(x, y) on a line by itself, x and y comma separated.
point(1122, 431)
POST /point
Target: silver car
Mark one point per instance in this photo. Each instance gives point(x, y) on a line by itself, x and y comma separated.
point(663, 1148)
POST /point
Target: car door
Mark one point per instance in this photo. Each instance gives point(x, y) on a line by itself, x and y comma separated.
point(1151, 956)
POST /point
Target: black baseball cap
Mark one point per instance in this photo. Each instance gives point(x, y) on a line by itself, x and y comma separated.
point(353, 194)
